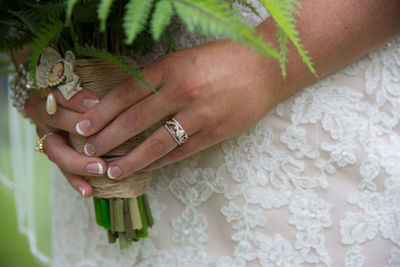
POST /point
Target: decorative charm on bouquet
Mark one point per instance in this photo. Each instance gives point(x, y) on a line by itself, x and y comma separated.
point(57, 72)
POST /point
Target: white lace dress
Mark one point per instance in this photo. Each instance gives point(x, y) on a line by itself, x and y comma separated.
point(315, 183)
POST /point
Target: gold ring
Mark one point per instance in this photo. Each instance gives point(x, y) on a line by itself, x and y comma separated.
point(40, 143)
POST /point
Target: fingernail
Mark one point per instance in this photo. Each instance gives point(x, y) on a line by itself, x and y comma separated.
point(82, 191)
point(114, 172)
point(95, 168)
point(89, 102)
point(83, 127)
point(89, 149)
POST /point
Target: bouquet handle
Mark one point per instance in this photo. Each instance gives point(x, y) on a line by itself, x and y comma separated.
point(121, 206)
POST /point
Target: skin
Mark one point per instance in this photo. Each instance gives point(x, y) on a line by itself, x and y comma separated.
point(216, 91)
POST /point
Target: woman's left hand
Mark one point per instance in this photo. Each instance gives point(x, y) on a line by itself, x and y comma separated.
point(215, 91)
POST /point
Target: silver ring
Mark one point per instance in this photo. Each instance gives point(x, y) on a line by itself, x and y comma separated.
point(176, 131)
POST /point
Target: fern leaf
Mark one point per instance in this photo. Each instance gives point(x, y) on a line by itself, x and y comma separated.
point(283, 50)
point(81, 15)
point(250, 6)
point(283, 14)
point(70, 7)
point(47, 34)
point(48, 8)
point(103, 11)
point(120, 61)
point(28, 18)
point(212, 17)
point(14, 35)
point(137, 12)
point(161, 18)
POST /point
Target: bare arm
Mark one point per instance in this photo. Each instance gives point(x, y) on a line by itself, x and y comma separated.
point(335, 33)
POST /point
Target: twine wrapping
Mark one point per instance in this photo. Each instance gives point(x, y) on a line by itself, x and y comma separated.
point(99, 77)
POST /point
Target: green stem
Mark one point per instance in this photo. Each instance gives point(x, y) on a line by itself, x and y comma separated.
point(149, 216)
point(97, 211)
point(143, 232)
point(105, 212)
point(118, 215)
point(124, 243)
point(135, 214)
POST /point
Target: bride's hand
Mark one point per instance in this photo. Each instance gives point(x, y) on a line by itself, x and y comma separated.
point(220, 89)
point(215, 91)
point(73, 164)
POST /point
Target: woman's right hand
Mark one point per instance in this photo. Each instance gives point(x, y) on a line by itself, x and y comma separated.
point(72, 164)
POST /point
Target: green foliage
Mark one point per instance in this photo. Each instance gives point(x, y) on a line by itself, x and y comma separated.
point(103, 12)
point(21, 20)
point(70, 7)
point(28, 18)
point(43, 9)
point(161, 18)
point(283, 50)
point(14, 33)
point(211, 17)
point(43, 38)
point(283, 14)
point(249, 6)
point(132, 27)
point(120, 61)
point(137, 12)
point(84, 12)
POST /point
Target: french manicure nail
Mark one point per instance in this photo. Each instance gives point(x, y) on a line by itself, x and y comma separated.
point(114, 172)
point(82, 191)
point(83, 127)
point(89, 149)
point(95, 167)
point(89, 102)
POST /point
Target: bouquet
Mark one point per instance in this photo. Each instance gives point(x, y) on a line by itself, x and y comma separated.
point(73, 43)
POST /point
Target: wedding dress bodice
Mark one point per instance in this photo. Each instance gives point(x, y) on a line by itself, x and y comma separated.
point(315, 183)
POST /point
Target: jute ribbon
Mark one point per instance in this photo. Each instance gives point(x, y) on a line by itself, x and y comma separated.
point(99, 77)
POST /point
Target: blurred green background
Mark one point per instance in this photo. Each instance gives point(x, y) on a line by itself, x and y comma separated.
point(14, 246)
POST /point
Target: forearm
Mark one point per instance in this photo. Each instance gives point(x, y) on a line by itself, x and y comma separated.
point(335, 33)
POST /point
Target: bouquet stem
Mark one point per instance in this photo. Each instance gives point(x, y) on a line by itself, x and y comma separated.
point(126, 217)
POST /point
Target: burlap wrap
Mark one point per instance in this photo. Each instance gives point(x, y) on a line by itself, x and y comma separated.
point(99, 77)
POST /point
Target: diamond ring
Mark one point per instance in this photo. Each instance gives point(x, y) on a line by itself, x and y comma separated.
point(176, 131)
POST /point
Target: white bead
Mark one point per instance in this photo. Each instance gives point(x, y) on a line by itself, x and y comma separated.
point(51, 104)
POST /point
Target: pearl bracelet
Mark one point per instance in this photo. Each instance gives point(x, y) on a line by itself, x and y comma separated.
point(19, 88)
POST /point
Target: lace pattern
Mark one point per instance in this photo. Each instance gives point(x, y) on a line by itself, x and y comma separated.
point(315, 183)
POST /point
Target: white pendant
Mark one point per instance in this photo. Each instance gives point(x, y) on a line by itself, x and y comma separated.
point(51, 104)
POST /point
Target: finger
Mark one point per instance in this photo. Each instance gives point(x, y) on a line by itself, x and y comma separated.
point(131, 122)
point(63, 119)
point(79, 184)
point(196, 143)
point(80, 102)
point(124, 95)
point(66, 158)
point(153, 148)
point(42, 129)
